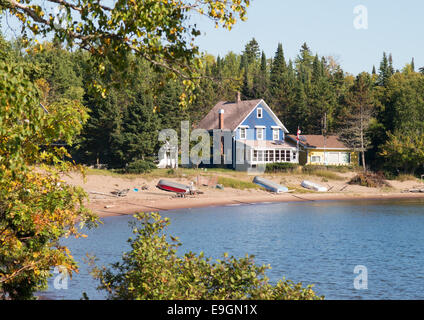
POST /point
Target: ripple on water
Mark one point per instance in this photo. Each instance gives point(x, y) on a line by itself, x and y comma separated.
point(319, 243)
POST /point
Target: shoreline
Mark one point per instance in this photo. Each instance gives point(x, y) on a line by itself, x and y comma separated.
point(118, 207)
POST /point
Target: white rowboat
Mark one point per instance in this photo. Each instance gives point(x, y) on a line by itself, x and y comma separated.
point(313, 186)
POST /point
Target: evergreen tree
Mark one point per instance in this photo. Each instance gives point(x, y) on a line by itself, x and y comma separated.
point(252, 51)
point(98, 134)
point(305, 57)
point(246, 90)
point(281, 89)
point(391, 68)
point(138, 137)
point(261, 80)
point(385, 71)
point(317, 69)
point(167, 108)
point(279, 66)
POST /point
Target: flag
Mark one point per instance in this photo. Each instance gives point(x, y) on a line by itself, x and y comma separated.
point(298, 135)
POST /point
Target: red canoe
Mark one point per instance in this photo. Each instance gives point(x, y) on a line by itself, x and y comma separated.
point(172, 186)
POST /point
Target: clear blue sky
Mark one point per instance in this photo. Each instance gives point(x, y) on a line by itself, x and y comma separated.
point(327, 27)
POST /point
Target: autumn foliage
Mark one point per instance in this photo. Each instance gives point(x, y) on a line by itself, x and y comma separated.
point(36, 207)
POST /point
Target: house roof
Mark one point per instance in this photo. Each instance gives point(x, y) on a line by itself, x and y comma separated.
point(315, 141)
point(234, 113)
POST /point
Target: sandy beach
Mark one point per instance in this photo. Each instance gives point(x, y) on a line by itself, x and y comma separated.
point(104, 203)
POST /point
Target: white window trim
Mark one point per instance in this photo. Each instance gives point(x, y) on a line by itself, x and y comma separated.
point(263, 156)
point(257, 113)
point(319, 161)
point(274, 130)
point(243, 129)
point(257, 131)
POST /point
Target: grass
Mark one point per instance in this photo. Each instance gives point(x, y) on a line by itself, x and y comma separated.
point(237, 184)
point(227, 177)
point(406, 177)
point(298, 189)
point(325, 174)
point(154, 174)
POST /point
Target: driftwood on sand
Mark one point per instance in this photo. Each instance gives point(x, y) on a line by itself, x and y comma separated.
point(114, 194)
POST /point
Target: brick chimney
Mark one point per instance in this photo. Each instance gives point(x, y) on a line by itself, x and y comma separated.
point(221, 119)
point(238, 97)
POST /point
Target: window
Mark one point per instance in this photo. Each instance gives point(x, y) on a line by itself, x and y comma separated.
point(332, 157)
point(277, 155)
point(275, 134)
point(259, 113)
point(345, 157)
point(315, 159)
point(242, 133)
point(271, 155)
point(260, 155)
point(255, 155)
point(288, 158)
point(266, 155)
point(259, 133)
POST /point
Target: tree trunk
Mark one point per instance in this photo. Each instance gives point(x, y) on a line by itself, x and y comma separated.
point(363, 161)
point(362, 140)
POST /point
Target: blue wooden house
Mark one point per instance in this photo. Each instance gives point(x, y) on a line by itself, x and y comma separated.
point(258, 136)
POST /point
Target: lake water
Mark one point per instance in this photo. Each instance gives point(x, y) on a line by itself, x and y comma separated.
point(310, 242)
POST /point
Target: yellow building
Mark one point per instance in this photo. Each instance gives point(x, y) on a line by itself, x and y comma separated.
point(329, 151)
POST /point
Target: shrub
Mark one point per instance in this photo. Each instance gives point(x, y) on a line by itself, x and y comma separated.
point(280, 167)
point(140, 166)
point(153, 270)
point(370, 180)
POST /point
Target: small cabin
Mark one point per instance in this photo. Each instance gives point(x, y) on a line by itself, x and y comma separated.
point(324, 150)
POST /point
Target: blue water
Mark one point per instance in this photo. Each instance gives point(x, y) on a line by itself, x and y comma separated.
point(310, 242)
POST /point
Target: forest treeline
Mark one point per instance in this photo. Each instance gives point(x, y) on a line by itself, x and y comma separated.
point(380, 112)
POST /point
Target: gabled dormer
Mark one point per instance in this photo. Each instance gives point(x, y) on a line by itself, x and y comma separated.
point(261, 124)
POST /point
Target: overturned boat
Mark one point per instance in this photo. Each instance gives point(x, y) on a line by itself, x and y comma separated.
point(313, 186)
point(270, 185)
point(172, 186)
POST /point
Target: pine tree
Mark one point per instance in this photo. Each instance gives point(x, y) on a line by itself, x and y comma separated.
point(279, 66)
point(391, 68)
point(281, 85)
point(166, 106)
point(252, 51)
point(305, 57)
point(138, 137)
point(246, 90)
point(298, 111)
point(413, 65)
point(386, 70)
point(95, 141)
point(316, 69)
point(261, 80)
